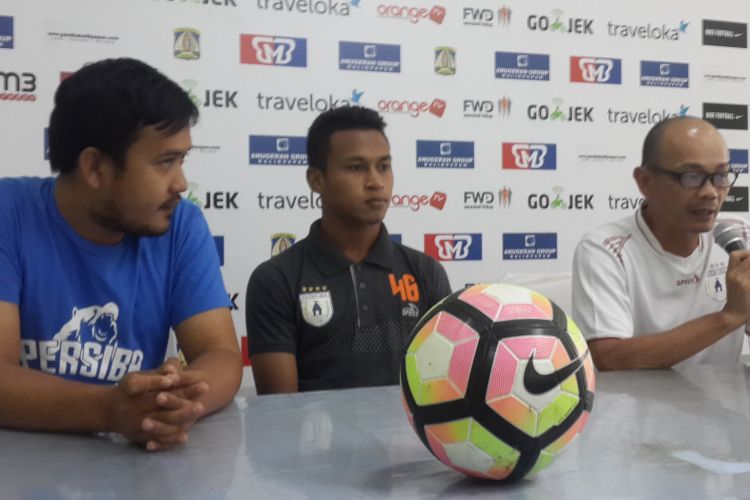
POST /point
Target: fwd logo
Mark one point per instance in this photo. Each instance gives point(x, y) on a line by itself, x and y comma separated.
point(595, 70)
point(273, 50)
point(526, 156)
point(448, 247)
point(486, 108)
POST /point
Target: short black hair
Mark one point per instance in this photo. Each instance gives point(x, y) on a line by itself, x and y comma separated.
point(105, 105)
point(652, 143)
point(335, 120)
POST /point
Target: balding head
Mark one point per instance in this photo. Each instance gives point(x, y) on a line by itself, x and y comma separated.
point(669, 134)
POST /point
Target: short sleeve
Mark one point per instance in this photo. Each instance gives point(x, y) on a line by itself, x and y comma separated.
point(10, 266)
point(438, 285)
point(269, 312)
point(197, 285)
point(601, 304)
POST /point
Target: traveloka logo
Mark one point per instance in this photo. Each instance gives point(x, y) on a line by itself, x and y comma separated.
point(219, 242)
point(726, 116)
point(521, 66)
point(321, 7)
point(309, 201)
point(529, 246)
point(647, 117)
point(487, 108)
point(273, 50)
point(412, 108)
point(648, 31)
point(738, 161)
point(278, 150)
point(413, 14)
point(556, 112)
point(629, 203)
point(363, 56)
point(486, 200)
point(281, 242)
point(557, 22)
point(417, 201)
point(310, 102)
point(724, 34)
point(585, 69)
point(569, 202)
point(529, 156)
point(6, 32)
point(487, 17)
point(664, 74)
point(447, 247)
point(445, 154)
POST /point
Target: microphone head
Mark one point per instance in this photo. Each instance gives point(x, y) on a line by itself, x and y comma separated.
point(728, 237)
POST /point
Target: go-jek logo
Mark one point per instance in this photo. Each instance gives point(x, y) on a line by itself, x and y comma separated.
point(414, 14)
point(271, 50)
point(595, 70)
point(462, 246)
point(529, 156)
point(412, 108)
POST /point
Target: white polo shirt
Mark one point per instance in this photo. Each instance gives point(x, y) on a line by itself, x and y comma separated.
point(625, 284)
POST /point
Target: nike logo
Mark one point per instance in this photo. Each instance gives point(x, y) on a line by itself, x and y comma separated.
point(536, 383)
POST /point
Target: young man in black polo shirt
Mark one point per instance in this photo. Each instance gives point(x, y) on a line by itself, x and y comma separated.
point(336, 309)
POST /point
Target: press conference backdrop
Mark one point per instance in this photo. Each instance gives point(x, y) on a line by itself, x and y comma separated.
point(514, 126)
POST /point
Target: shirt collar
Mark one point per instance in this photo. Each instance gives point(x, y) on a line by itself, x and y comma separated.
point(329, 260)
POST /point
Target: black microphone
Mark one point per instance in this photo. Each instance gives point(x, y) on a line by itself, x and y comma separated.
point(728, 237)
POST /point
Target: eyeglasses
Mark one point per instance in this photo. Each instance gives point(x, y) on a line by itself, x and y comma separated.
point(696, 180)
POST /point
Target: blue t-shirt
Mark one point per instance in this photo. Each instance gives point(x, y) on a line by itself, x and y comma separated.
point(94, 312)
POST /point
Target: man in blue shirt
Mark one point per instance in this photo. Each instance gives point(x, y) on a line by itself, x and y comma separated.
point(99, 263)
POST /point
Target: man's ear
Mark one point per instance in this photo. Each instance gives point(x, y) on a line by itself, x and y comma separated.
point(643, 180)
point(316, 179)
point(94, 168)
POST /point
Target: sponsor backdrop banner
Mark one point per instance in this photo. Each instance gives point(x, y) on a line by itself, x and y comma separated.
point(514, 126)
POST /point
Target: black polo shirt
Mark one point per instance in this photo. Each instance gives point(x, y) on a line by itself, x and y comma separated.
point(347, 323)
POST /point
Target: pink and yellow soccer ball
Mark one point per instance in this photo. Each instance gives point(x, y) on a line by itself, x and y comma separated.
point(497, 381)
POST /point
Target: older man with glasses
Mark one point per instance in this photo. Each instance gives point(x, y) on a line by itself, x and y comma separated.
point(653, 290)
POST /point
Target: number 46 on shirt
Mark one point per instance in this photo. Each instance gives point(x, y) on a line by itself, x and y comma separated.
point(406, 286)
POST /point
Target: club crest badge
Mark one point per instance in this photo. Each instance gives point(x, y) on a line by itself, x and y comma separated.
point(187, 43)
point(316, 305)
point(716, 288)
point(281, 242)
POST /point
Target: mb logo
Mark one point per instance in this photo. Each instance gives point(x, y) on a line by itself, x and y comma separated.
point(447, 247)
point(595, 70)
point(274, 50)
point(529, 155)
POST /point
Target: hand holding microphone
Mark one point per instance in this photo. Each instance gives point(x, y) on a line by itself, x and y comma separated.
point(730, 238)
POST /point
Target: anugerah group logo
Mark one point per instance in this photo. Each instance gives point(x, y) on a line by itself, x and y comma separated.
point(529, 246)
point(273, 50)
point(278, 150)
point(445, 154)
point(6, 32)
point(521, 66)
point(665, 74)
point(366, 56)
